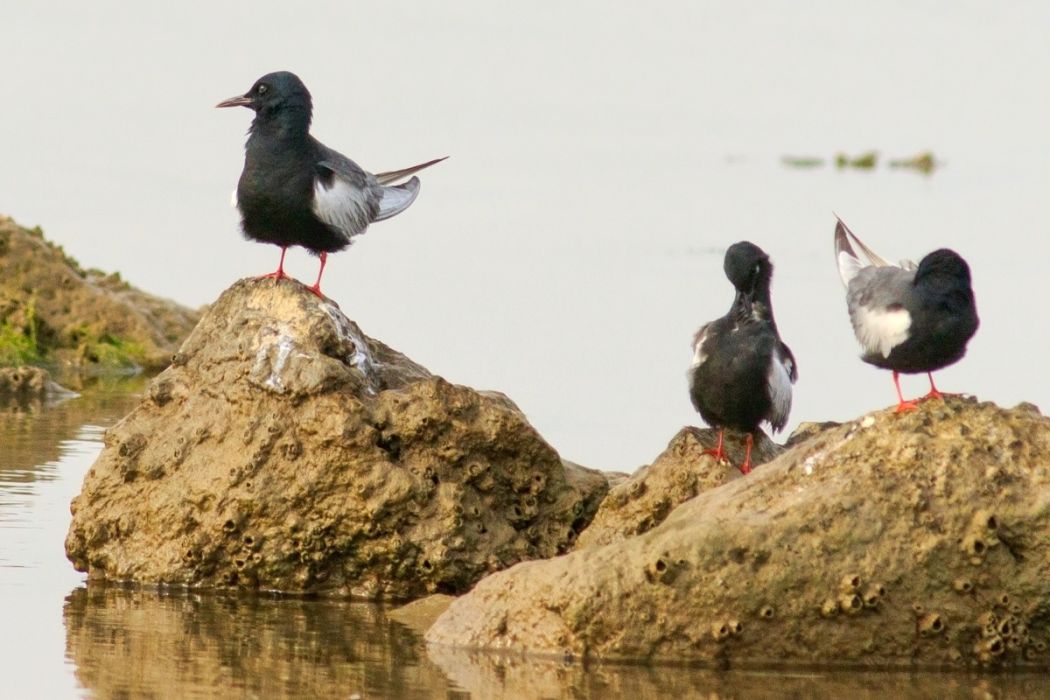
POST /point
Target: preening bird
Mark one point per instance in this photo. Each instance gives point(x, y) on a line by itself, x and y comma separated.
point(908, 318)
point(294, 190)
point(742, 371)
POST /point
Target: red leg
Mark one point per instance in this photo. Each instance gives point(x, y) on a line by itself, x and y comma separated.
point(903, 405)
point(316, 289)
point(745, 468)
point(279, 273)
point(718, 453)
point(934, 392)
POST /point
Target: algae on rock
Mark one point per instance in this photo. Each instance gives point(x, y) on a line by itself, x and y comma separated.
point(53, 311)
point(285, 450)
point(894, 540)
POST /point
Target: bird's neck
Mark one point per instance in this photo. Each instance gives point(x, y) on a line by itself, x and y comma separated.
point(755, 305)
point(287, 125)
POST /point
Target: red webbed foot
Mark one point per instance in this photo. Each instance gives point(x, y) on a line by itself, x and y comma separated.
point(905, 406)
point(902, 405)
point(277, 274)
point(316, 288)
point(935, 393)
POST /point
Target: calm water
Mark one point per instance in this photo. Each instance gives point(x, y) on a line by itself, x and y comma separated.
point(603, 156)
point(62, 639)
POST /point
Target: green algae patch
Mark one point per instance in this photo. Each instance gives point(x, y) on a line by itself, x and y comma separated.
point(113, 353)
point(55, 312)
point(16, 348)
point(865, 161)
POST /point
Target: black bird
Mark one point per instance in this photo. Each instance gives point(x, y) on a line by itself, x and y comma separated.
point(742, 371)
point(908, 318)
point(294, 190)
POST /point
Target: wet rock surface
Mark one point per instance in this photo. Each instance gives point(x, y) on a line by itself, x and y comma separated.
point(643, 500)
point(19, 385)
point(285, 450)
point(53, 311)
point(894, 540)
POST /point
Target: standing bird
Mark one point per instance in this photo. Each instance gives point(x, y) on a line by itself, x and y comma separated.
point(294, 190)
point(908, 318)
point(742, 371)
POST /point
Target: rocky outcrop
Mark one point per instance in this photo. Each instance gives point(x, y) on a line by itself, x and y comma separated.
point(285, 450)
point(682, 471)
point(52, 310)
point(913, 539)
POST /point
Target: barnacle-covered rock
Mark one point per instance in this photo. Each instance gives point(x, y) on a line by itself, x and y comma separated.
point(641, 501)
point(894, 540)
point(285, 450)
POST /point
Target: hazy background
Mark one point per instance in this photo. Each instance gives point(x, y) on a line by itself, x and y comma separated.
point(603, 156)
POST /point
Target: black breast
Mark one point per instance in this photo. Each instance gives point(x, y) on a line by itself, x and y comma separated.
point(275, 198)
point(730, 388)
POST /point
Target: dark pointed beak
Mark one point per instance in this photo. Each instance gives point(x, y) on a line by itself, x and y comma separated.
point(239, 101)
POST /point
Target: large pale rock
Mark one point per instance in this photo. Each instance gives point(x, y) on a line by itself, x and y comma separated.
point(643, 500)
point(921, 538)
point(284, 450)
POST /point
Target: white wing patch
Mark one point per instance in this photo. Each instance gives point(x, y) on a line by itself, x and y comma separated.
point(699, 356)
point(849, 266)
point(342, 206)
point(779, 379)
point(233, 198)
point(881, 330)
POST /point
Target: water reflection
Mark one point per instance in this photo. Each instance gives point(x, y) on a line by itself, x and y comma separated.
point(32, 432)
point(496, 676)
point(131, 643)
point(127, 642)
point(45, 450)
point(114, 641)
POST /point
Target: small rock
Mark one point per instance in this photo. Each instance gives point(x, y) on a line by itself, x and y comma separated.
point(642, 501)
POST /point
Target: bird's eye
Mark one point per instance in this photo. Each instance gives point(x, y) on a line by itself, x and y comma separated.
point(261, 89)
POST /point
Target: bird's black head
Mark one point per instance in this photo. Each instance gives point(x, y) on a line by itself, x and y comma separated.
point(748, 267)
point(275, 95)
point(943, 264)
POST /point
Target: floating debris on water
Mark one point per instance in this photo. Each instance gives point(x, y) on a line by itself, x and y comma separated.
point(803, 161)
point(865, 161)
point(924, 162)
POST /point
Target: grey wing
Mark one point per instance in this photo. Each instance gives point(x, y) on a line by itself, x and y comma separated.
point(782, 374)
point(346, 197)
point(876, 299)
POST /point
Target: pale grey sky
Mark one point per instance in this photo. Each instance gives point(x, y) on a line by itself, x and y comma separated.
point(603, 155)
